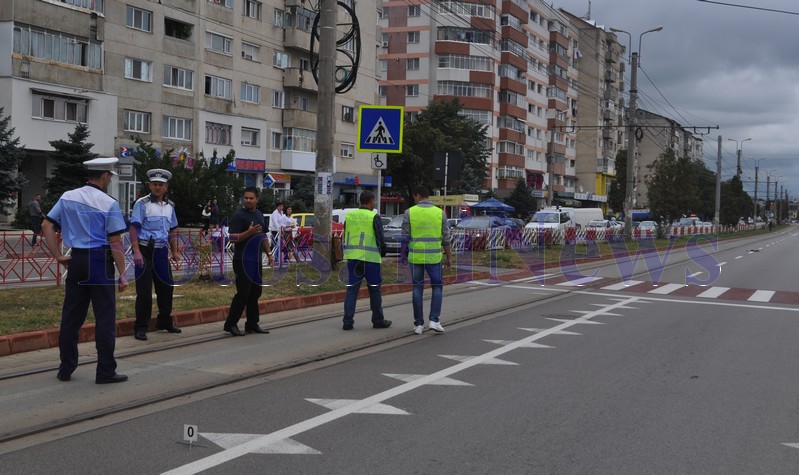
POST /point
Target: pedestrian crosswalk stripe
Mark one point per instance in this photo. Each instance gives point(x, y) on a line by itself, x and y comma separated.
point(380, 134)
point(666, 289)
point(713, 292)
point(761, 296)
point(622, 285)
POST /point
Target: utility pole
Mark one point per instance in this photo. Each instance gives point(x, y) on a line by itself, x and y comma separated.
point(776, 206)
point(325, 123)
point(551, 167)
point(716, 221)
point(631, 145)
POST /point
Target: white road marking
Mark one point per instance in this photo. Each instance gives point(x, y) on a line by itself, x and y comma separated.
point(529, 279)
point(510, 342)
point(761, 296)
point(645, 299)
point(306, 425)
point(696, 273)
point(440, 382)
point(540, 287)
point(561, 332)
point(285, 446)
point(579, 282)
point(713, 292)
point(738, 257)
point(376, 408)
point(464, 358)
point(584, 312)
point(666, 289)
point(576, 321)
point(622, 285)
point(721, 264)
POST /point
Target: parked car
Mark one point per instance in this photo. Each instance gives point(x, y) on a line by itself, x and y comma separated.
point(452, 222)
point(392, 232)
point(474, 224)
point(598, 224)
point(386, 220)
point(647, 227)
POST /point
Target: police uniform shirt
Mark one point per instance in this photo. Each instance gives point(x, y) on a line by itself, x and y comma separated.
point(153, 219)
point(87, 216)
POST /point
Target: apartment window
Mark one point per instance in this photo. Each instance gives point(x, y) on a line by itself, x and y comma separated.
point(57, 46)
point(413, 36)
point(249, 137)
point(59, 108)
point(250, 93)
point(224, 3)
point(381, 91)
point(347, 114)
point(177, 29)
point(414, 10)
point(383, 64)
point(303, 104)
point(279, 99)
point(250, 51)
point(218, 43)
point(218, 87)
point(301, 140)
point(252, 9)
point(347, 150)
point(138, 69)
point(412, 64)
point(277, 140)
point(138, 19)
point(384, 12)
point(459, 61)
point(305, 64)
point(217, 134)
point(178, 77)
point(279, 18)
point(280, 59)
point(412, 90)
point(136, 121)
point(177, 128)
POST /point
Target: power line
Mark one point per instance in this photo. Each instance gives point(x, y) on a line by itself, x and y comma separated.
point(750, 7)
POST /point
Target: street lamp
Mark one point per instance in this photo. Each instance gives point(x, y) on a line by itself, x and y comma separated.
point(757, 167)
point(629, 195)
point(739, 151)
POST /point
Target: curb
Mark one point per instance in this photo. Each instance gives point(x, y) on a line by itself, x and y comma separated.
point(44, 339)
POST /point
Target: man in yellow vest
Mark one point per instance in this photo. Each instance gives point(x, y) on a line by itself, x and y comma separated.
point(363, 246)
point(426, 226)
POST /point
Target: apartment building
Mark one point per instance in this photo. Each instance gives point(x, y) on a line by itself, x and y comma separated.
point(599, 117)
point(510, 63)
point(191, 76)
point(658, 134)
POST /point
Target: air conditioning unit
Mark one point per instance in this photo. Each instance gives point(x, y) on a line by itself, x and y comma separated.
point(384, 44)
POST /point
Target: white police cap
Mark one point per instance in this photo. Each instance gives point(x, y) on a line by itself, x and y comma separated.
point(106, 164)
point(159, 174)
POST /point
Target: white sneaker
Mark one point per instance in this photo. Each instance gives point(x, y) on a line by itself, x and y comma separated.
point(418, 329)
point(436, 327)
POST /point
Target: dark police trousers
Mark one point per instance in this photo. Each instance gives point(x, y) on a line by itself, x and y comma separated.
point(156, 271)
point(90, 278)
point(248, 291)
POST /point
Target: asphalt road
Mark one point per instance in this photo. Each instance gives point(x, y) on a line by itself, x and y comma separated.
point(565, 379)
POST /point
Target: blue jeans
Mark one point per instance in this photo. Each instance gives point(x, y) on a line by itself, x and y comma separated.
point(358, 270)
point(417, 277)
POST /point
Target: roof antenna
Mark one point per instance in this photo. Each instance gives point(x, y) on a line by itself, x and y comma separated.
point(587, 16)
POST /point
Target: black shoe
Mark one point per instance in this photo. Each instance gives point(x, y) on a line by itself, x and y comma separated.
point(63, 376)
point(348, 326)
point(140, 335)
point(234, 330)
point(383, 324)
point(117, 378)
point(171, 328)
point(256, 329)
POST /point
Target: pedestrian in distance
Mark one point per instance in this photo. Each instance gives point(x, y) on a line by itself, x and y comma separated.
point(35, 213)
point(363, 245)
point(154, 240)
point(206, 218)
point(92, 224)
point(247, 234)
point(425, 226)
point(290, 236)
point(214, 220)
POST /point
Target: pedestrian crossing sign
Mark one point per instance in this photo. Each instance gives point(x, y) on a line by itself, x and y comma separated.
point(380, 129)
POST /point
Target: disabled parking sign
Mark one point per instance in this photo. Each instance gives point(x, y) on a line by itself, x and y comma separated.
point(380, 129)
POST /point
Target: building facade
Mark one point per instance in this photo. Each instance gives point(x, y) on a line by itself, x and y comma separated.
point(195, 77)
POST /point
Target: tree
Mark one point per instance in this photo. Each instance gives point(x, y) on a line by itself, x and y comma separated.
point(673, 186)
point(734, 202)
point(522, 199)
point(11, 155)
point(470, 182)
point(618, 188)
point(193, 183)
point(439, 127)
point(69, 172)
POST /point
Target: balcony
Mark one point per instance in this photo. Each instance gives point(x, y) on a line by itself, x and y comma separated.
point(607, 133)
point(299, 79)
point(610, 75)
point(607, 114)
point(606, 166)
point(299, 118)
point(297, 38)
point(611, 94)
point(299, 161)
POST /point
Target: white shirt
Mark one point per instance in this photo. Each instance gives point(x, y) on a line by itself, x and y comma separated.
point(277, 220)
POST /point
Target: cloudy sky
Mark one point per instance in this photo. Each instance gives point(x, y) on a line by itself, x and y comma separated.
point(717, 65)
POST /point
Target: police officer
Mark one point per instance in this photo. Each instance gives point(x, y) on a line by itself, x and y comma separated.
point(153, 227)
point(363, 243)
point(91, 224)
point(426, 225)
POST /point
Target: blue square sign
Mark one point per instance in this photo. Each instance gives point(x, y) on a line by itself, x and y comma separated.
point(380, 129)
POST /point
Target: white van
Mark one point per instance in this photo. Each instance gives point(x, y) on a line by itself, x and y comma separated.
point(583, 216)
point(557, 219)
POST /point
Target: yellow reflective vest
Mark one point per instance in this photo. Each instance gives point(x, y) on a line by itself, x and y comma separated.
point(360, 242)
point(426, 235)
